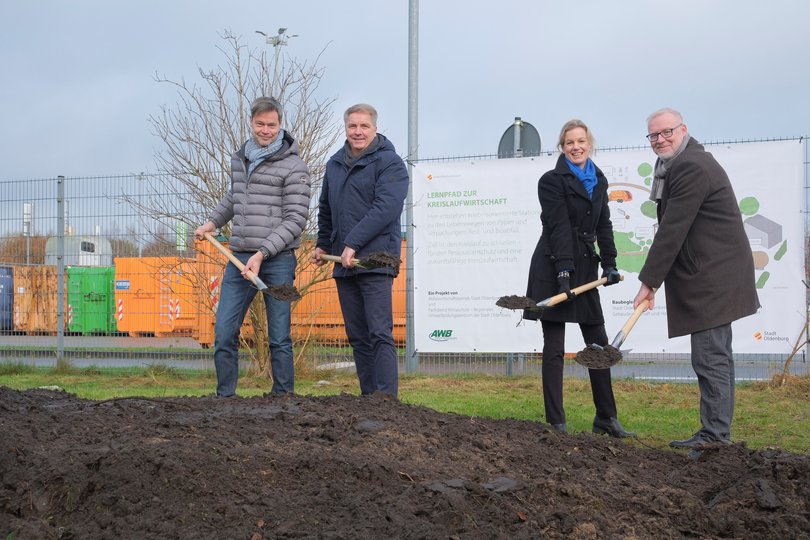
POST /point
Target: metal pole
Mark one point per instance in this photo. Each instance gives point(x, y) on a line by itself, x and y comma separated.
point(517, 148)
point(28, 210)
point(60, 269)
point(411, 354)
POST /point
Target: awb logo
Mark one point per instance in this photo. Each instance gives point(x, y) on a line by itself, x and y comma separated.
point(441, 335)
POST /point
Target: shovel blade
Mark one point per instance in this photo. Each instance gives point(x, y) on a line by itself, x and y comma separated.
point(261, 285)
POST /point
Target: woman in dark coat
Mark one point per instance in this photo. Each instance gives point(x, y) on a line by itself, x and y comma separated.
point(576, 219)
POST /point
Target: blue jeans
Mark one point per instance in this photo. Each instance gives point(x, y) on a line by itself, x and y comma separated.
point(235, 298)
point(366, 303)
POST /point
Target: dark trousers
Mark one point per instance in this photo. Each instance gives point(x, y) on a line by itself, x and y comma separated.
point(366, 303)
point(553, 352)
point(713, 362)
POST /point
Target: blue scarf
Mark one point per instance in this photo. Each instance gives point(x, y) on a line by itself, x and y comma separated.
point(255, 154)
point(587, 176)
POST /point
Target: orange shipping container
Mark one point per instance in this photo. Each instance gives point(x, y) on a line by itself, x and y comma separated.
point(136, 294)
point(209, 269)
point(317, 315)
point(179, 284)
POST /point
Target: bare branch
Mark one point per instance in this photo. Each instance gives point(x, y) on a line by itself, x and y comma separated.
point(209, 122)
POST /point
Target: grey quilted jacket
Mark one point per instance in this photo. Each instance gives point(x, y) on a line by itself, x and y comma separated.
point(270, 208)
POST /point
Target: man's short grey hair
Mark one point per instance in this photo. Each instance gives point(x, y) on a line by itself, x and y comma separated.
point(666, 110)
point(265, 104)
point(361, 108)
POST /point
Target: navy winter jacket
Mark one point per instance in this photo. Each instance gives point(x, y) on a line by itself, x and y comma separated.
point(360, 207)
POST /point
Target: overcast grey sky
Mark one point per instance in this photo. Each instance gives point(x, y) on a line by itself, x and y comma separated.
point(78, 77)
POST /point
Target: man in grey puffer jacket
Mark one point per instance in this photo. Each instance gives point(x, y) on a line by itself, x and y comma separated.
point(268, 203)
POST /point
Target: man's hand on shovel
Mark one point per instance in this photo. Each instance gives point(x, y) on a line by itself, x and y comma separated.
point(285, 293)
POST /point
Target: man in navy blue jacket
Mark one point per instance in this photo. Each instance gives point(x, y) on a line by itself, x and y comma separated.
point(363, 191)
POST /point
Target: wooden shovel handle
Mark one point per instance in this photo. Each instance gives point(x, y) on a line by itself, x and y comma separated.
point(236, 262)
point(631, 322)
point(335, 258)
point(562, 297)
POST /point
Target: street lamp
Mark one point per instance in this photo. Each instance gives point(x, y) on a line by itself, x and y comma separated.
point(28, 215)
point(277, 41)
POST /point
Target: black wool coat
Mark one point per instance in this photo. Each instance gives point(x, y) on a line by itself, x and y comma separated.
point(574, 225)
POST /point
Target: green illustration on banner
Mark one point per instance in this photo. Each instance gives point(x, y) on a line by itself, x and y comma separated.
point(635, 224)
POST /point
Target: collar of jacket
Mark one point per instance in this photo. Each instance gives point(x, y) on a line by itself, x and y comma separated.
point(289, 146)
point(562, 168)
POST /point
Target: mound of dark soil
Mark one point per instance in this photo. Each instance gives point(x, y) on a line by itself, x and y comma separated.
point(347, 467)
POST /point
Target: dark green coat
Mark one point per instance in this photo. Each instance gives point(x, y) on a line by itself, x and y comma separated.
point(700, 251)
point(573, 225)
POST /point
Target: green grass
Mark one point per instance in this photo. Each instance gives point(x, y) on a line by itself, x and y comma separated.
point(765, 414)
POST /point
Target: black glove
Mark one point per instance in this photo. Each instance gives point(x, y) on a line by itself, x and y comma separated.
point(612, 276)
point(564, 283)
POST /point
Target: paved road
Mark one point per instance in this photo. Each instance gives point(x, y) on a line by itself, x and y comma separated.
point(95, 342)
point(120, 352)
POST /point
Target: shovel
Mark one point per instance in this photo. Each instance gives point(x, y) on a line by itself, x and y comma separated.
point(597, 357)
point(285, 293)
point(380, 259)
point(522, 302)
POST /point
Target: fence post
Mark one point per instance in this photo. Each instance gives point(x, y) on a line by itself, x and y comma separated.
point(411, 354)
point(60, 269)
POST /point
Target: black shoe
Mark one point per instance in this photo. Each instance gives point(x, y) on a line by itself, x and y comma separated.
point(560, 428)
point(612, 427)
point(695, 440)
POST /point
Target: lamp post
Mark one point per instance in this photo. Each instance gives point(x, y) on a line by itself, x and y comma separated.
point(277, 41)
point(28, 213)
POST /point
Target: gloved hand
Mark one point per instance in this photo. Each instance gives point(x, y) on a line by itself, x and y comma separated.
point(564, 284)
point(612, 276)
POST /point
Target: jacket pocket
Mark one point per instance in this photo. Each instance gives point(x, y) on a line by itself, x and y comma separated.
point(688, 258)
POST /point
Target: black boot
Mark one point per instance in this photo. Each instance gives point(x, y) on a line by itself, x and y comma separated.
point(695, 440)
point(560, 428)
point(612, 427)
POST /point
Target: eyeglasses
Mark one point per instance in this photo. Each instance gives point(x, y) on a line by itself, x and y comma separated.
point(665, 133)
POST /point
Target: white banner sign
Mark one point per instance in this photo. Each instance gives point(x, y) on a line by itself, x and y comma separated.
point(476, 225)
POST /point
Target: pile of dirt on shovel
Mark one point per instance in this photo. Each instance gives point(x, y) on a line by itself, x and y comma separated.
point(348, 467)
point(284, 292)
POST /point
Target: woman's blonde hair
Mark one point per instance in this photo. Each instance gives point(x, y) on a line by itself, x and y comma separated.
point(572, 124)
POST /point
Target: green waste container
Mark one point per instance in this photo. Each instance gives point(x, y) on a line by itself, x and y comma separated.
point(91, 300)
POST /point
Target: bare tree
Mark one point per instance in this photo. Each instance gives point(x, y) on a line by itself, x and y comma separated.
point(210, 121)
point(21, 250)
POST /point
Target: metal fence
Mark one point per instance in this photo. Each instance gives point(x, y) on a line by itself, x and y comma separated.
point(136, 289)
